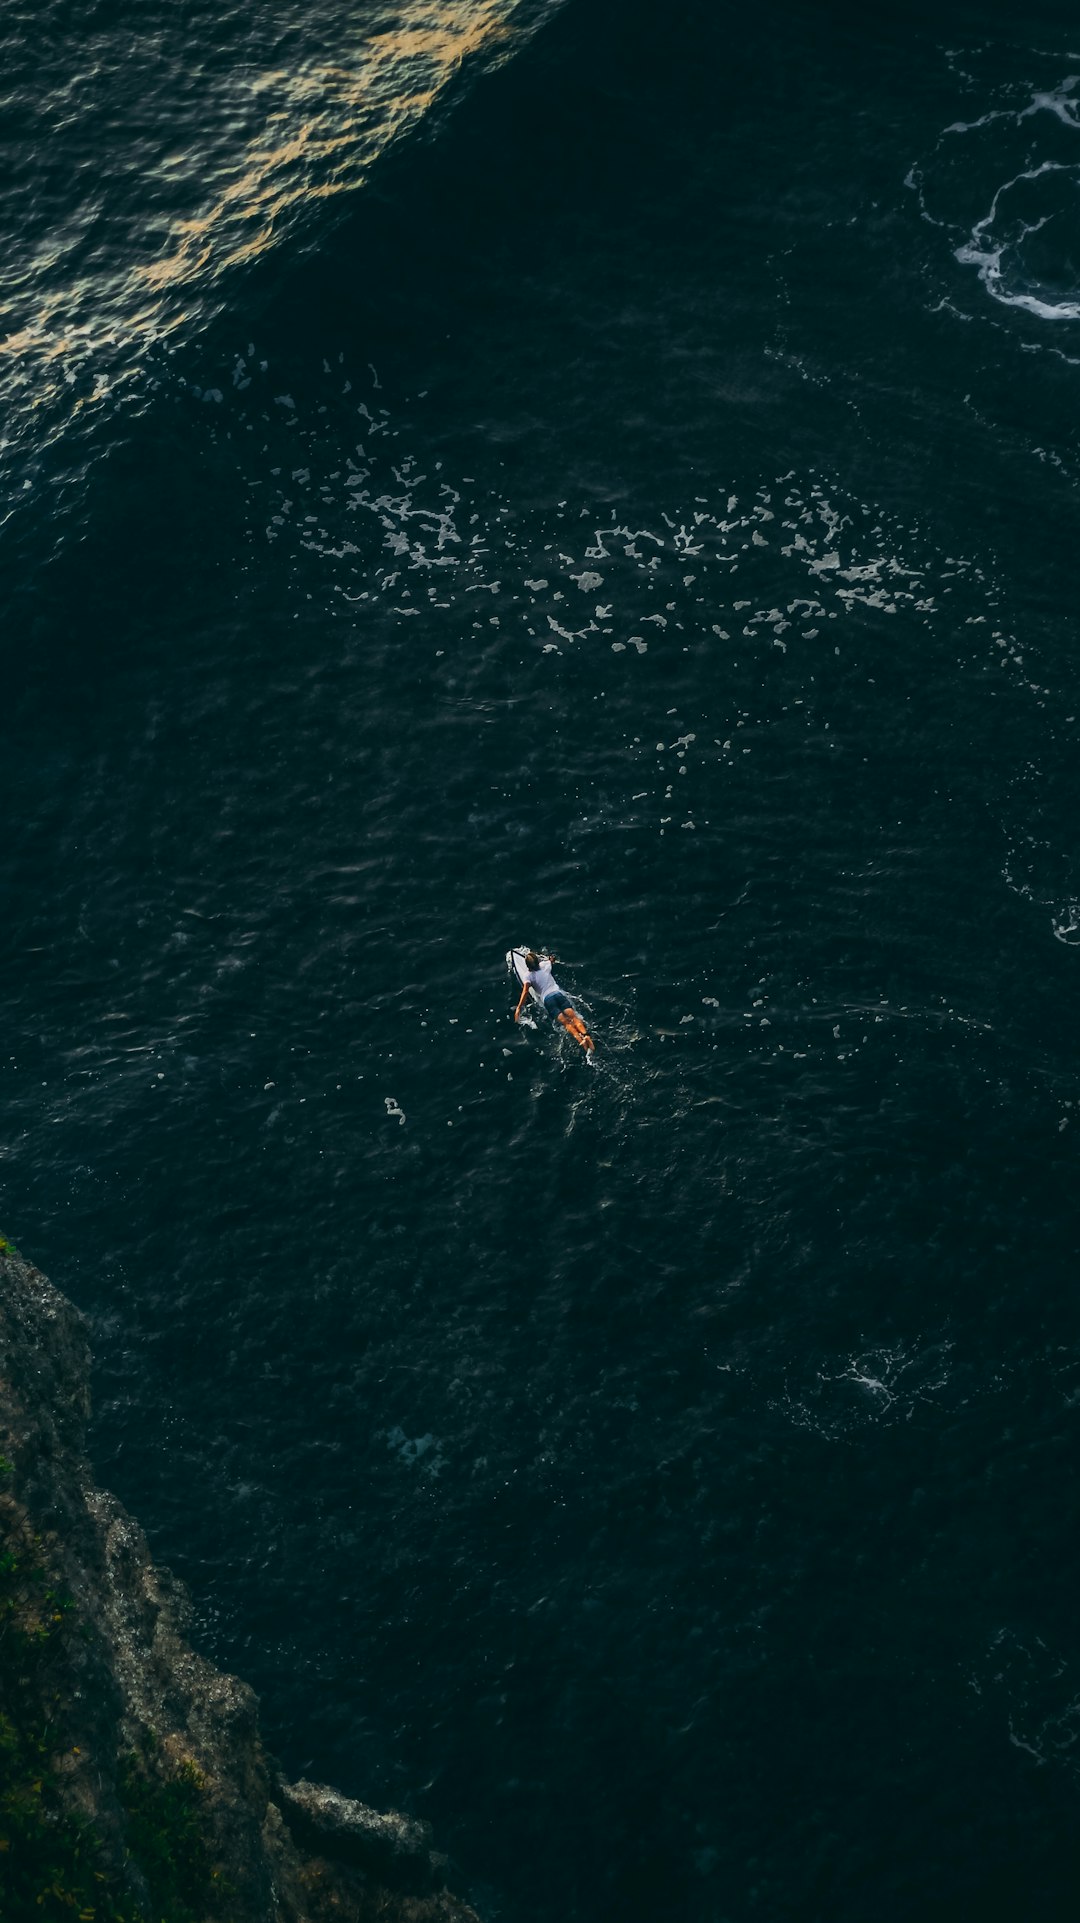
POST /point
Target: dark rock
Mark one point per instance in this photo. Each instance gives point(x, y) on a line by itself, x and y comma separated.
point(137, 1717)
point(393, 1848)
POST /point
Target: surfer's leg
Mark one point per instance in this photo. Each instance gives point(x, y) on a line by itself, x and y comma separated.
point(573, 1024)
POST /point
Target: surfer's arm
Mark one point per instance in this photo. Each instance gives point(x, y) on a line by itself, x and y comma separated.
point(521, 1003)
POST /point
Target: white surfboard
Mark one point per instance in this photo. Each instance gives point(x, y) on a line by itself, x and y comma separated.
point(517, 966)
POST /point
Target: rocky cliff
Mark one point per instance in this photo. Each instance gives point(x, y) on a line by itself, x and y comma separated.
point(134, 1787)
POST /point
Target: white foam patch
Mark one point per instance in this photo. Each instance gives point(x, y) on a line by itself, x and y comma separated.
point(872, 1388)
point(995, 254)
point(1026, 194)
point(1032, 1690)
point(447, 559)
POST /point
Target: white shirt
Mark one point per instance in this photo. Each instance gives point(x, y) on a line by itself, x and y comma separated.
point(542, 979)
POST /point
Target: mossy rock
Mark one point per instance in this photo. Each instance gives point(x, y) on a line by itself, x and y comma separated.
point(54, 1866)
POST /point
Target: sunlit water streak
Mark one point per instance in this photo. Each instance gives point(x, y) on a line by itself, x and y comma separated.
point(157, 157)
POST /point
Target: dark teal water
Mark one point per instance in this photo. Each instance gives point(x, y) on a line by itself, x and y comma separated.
point(603, 476)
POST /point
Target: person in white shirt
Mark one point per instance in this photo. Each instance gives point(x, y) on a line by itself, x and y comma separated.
point(539, 977)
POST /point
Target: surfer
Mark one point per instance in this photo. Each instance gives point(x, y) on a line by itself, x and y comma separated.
point(534, 972)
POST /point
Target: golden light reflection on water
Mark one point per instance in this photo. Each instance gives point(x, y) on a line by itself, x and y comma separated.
point(358, 111)
point(316, 131)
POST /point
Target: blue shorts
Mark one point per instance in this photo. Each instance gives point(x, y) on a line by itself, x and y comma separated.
point(557, 1003)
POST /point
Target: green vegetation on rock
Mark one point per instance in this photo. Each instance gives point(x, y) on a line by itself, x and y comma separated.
point(54, 1865)
point(166, 1838)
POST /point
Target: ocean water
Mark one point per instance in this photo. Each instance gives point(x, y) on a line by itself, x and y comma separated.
point(606, 477)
